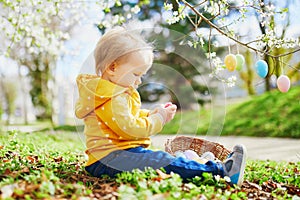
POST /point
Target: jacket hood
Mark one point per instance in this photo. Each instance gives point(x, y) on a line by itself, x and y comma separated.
point(94, 92)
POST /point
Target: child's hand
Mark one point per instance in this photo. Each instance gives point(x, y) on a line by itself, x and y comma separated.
point(171, 111)
point(167, 111)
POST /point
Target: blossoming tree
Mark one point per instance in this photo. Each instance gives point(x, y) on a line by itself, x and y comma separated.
point(212, 22)
point(33, 34)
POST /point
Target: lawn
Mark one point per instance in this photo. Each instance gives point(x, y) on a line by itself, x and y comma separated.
point(272, 114)
point(50, 165)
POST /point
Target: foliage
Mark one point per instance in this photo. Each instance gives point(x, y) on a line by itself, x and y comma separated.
point(33, 35)
point(248, 115)
point(209, 22)
point(1, 111)
point(68, 128)
point(280, 172)
point(40, 93)
point(10, 95)
point(247, 75)
point(273, 114)
point(32, 26)
point(37, 165)
point(52, 167)
point(170, 53)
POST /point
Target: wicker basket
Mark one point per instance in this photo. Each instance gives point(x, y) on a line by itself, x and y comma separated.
point(200, 146)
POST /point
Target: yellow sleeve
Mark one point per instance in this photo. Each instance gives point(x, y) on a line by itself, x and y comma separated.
point(144, 112)
point(122, 116)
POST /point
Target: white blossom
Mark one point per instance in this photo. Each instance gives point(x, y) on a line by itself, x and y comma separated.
point(217, 178)
point(32, 27)
point(168, 6)
point(231, 81)
point(227, 179)
point(136, 9)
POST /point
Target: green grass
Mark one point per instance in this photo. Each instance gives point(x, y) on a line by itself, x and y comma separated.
point(273, 114)
point(47, 165)
point(69, 128)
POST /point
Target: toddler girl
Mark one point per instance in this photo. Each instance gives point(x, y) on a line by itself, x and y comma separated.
point(117, 130)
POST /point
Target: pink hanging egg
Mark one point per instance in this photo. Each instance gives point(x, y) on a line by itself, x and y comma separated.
point(283, 83)
point(230, 62)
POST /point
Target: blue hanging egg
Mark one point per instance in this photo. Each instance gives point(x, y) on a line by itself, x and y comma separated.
point(261, 68)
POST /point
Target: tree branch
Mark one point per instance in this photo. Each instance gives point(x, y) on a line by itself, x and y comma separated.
point(232, 38)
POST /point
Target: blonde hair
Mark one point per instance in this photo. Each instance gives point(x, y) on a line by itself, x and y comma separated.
point(114, 44)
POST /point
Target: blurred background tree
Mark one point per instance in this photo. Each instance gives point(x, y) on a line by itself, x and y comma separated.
point(221, 18)
point(247, 75)
point(154, 11)
point(10, 95)
point(34, 33)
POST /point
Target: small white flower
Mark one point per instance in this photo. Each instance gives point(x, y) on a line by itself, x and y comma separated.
point(129, 16)
point(168, 6)
point(217, 177)
point(190, 43)
point(136, 9)
point(227, 179)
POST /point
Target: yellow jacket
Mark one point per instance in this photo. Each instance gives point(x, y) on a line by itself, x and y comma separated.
point(112, 116)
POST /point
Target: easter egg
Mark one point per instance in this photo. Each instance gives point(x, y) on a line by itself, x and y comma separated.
point(168, 104)
point(179, 154)
point(283, 83)
point(208, 155)
point(240, 61)
point(261, 68)
point(230, 62)
point(201, 160)
point(190, 154)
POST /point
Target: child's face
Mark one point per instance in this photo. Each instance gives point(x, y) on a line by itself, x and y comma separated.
point(130, 69)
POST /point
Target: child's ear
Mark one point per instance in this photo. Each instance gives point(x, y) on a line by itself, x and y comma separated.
point(112, 68)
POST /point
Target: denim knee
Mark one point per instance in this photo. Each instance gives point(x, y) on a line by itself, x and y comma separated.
point(98, 169)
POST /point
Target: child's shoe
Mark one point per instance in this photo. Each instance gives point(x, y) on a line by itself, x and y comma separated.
point(234, 165)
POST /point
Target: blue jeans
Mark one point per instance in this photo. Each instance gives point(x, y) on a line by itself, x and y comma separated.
point(139, 158)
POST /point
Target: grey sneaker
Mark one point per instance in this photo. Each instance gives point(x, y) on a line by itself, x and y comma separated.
point(234, 165)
